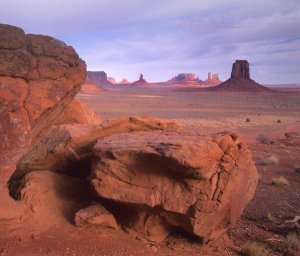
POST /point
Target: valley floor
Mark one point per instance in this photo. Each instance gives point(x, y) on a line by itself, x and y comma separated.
point(261, 119)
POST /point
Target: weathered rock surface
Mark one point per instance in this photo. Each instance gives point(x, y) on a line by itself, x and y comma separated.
point(170, 180)
point(39, 76)
point(95, 215)
point(67, 148)
point(240, 80)
point(76, 112)
point(50, 198)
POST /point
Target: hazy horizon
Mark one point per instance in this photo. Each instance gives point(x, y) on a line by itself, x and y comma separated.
point(163, 38)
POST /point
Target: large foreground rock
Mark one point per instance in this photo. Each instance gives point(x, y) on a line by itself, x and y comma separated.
point(161, 181)
point(39, 76)
point(76, 112)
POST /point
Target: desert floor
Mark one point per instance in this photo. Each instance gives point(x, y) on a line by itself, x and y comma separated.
point(204, 112)
point(264, 220)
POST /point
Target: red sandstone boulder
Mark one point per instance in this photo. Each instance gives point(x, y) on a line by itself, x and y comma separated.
point(78, 113)
point(67, 148)
point(162, 181)
point(48, 197)
point(95, 215)
point(39, 76)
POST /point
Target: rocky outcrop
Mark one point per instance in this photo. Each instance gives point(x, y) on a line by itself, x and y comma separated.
point(184, 77)
point(39, 76)
point(124, 82)
point(99, 78)
point(141, 81)
point(184, 80)
point(77, 113)
point(48, 198)
point(240, 80)
point(95, 215)
point(147, 176)
point(212, 79)
point(240, 69)
point(163, 181)
point(111, 80)
point(67, 148)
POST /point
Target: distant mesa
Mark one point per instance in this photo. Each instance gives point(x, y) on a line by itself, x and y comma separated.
point(111, 80)
point(240, 69)
point(184, 77)
point(99, 78)
point(212, 79)
point(124, 82)
point(141, 81)
point(240, 80)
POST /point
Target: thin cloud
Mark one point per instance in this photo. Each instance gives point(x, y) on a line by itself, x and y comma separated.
point(162, 38)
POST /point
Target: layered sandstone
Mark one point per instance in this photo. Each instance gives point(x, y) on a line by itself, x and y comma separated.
point(78, 113)
point(67, 148)
point(164, 181)
point(184, 77)
point(39, 76)
point(240, 69)
point(212, 79)
point(147, 173)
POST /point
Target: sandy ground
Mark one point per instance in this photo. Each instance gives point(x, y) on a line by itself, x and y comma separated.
point(204, 113)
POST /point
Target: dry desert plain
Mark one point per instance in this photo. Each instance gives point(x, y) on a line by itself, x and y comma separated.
point(255, 117)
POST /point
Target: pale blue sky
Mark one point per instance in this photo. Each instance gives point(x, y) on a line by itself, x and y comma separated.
point(161, 38)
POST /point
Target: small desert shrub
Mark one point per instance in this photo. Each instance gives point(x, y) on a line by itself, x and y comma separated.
point(292, 242)
point(247, 120)
point(280, 181)
point(254, 249)
point(271, 217)
point(269, 159)
point(263, 139)
point(278, 121)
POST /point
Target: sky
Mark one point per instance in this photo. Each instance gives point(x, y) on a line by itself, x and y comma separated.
point(161, 38)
